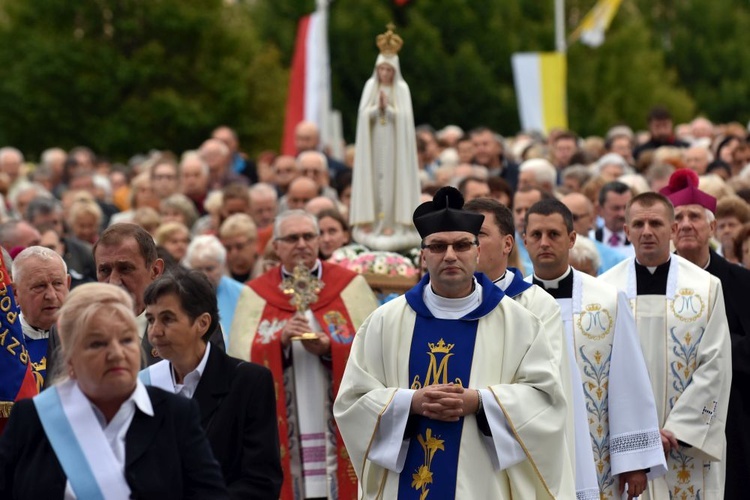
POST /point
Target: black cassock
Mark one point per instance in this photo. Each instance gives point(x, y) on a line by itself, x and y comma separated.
point(735, 283)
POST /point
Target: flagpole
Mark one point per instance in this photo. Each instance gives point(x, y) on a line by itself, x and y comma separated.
point(560, 44)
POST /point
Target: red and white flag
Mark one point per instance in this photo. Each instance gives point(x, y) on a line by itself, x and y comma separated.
point(309, 97)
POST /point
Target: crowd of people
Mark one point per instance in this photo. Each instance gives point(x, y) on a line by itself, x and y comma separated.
point(599, 348)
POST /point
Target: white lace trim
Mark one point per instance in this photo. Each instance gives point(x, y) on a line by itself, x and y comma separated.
point(634, 441)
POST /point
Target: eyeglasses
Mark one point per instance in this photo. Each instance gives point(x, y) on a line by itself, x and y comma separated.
point(458, 246)
point(294, 238)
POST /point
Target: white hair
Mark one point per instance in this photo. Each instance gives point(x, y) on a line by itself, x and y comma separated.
point(450, 129)
point(314, 154)
point(104, 184)
point(702, 149)
point(190, 155)
point(49, 154)
point(24, 187)
point(584, 250)
point(38, 253)
point(636, 182)
point(613, 159)
point(206, 246)
point(449, 157)
point(620, 130)
point(544, 172)
point(10, 150)
point(289, 214)
point(263, 190)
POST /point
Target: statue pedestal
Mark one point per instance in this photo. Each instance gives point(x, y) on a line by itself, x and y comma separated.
point(403, 238)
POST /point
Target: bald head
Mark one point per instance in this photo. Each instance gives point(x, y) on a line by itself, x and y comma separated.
point(314, 165)
point(216, 154)
point(582, 210)
point(306, 137)
point(228, 137)
point(702, 127)
point(697, 159)
point(318, 204)
point(285, 170)
point(301, 190)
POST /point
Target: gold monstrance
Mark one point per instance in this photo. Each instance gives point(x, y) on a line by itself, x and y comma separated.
point(304, 289)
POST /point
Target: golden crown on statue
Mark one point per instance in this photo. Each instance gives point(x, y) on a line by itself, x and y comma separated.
point(389, 43)
point(440, 347)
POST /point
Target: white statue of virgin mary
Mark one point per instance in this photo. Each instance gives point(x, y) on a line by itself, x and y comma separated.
point(385, 183)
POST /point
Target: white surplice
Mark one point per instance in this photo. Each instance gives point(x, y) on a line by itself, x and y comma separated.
point(545, 307)
point(685, 340)
point(621, 413)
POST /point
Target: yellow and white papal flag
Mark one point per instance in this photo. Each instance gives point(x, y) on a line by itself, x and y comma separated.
point(592, 28)
point(541, 91)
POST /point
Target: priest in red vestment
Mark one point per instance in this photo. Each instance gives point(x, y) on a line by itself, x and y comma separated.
point(300, 321)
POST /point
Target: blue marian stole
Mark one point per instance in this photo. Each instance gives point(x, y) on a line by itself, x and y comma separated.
point(518, 285)
point(441, 353)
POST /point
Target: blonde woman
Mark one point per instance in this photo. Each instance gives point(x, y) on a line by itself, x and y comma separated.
point(99, 432)
point(174, 237)
point(85, 220)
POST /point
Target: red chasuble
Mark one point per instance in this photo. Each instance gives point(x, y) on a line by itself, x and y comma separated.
point(332, 315)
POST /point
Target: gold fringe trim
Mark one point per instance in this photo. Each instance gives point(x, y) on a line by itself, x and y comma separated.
point(5, 407)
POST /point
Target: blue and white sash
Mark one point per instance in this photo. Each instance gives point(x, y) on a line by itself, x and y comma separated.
point(158, 375)
point(79, 443)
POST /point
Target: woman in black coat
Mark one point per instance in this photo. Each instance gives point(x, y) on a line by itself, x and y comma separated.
point(236, 399)
point(100, 433)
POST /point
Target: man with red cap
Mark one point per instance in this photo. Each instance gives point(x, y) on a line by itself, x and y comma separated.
point(683, 330)
point(694, 212)
point(450, 390)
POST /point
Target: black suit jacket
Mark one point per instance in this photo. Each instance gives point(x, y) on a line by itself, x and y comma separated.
point(735, 283)
point(166, 456)
point(238, 413)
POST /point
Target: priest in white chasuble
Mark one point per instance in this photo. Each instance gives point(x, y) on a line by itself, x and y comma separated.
point(496, 239)
point(682, 324)
point(451, 390)
point(622, 426)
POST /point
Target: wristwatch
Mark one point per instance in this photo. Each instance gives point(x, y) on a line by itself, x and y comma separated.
point(480, 406)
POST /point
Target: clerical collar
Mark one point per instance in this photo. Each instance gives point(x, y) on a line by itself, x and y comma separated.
point(653, 269)
point(551, 284)
point(445, 308)
point(504, 281)
point(32, 332)
point(315, 271)
point(559, 288)
point(651, 280)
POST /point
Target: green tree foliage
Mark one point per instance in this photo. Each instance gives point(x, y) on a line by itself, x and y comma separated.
point(622, 79)
point(456, 59)
point(129, 75)
point(708, 49)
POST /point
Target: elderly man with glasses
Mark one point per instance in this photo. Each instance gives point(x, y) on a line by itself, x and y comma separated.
point(301, 322)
